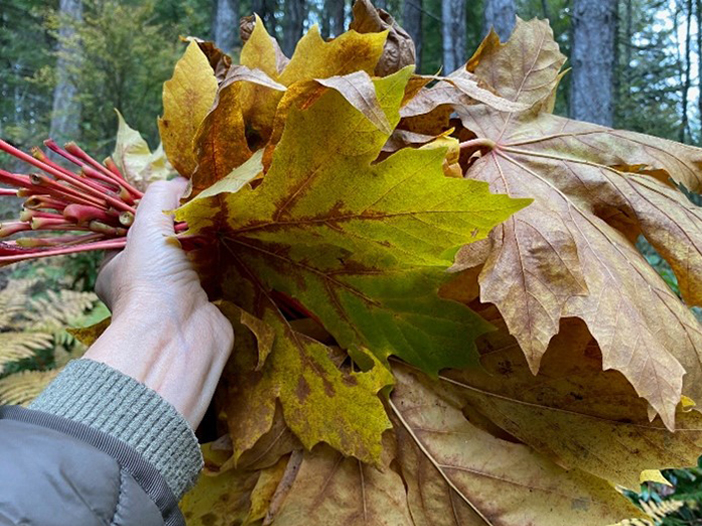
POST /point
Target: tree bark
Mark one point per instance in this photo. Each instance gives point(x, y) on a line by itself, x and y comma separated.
point(412, 23)
point(453, 32)
point(226, 24)
point(501, 15)
point(544, 10)
point(65, 115)
point(293, 22)
point(325, 19)
point(592, 56)
point(337, 16)
point(698, 9)
point(265, 9)
point(684, 121)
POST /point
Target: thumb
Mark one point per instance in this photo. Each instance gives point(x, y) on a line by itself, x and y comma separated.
point(160, 197)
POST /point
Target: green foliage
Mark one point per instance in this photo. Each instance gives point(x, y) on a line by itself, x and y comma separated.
point(126, 54)
point(35, 311)
point(24, 104)
point(649, 70)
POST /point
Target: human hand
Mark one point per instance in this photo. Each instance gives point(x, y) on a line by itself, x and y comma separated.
point(164, 331)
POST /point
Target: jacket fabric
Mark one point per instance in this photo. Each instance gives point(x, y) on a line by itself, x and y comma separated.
point(96, 448)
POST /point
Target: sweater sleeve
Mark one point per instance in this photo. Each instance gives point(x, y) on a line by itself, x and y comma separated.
point(109, 401)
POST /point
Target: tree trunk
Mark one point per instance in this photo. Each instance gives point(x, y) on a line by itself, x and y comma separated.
point(698, 8)
point(453, 32)
point(325, 24)
point(293, 22)
point(617, 74)
point(500, 15)
point(265, 9)
point(412, 22)
point(684, 122)
point(226, 24)
point(544, 10)
point(65, 115)
point(592, 57)
point(336, 11)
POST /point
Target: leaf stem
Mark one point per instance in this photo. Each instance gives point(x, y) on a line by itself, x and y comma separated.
point(11, 253)
point(482, 144)
point(78, 152)
point(73, 179)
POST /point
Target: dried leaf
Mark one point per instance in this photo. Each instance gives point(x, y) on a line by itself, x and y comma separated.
point(319, 401)
point(135, 160)
point(399, 49)
point(573, 412)
point(571, 253)
point(237, 179)
point(458, 474)
point(330, 486)
point(313, 59)
point(263, 493)
point(524, 70)
point(358, 89)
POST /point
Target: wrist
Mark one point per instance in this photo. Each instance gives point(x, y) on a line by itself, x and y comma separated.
point(178, 354)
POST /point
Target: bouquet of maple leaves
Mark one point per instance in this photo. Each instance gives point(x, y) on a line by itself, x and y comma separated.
point(441, 316)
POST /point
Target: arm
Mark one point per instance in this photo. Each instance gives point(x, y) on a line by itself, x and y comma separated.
point(145, 383)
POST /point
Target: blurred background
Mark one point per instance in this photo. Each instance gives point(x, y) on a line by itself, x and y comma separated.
point(66, 64)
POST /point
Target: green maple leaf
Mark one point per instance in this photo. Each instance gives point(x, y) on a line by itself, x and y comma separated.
point(361, 245)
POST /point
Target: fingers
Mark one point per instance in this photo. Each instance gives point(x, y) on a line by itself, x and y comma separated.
point(159, 197)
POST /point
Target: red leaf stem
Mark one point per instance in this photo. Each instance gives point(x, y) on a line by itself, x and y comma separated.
point(78, 152)
point(112, 167)
point(11, 253)
point(13, 227)
point(34, 242)
point(82, 214)
point(42, 184)
point(73, 179)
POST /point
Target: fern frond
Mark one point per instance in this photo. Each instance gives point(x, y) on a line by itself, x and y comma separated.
point(634, 522)
point(659, 511)
point(13, 299)
point(58, 309)
point(18, 345)
point(23, 387)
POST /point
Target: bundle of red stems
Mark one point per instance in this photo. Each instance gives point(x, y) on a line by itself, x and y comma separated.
point(92, 208)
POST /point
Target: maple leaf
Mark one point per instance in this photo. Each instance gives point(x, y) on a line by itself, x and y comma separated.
point(399, 48)
point(320, 402)
point(250, 98)
point(313, 58)
point(458, 474)
point(572, 411)
point(224, 495)
point(329, 485)
point(571, 254)
point(135, 160)
point(327, 227)
point(187, 97)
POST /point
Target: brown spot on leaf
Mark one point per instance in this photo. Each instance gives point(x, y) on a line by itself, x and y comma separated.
point(303, 389)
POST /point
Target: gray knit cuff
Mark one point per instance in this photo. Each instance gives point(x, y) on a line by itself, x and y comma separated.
point(103, 398)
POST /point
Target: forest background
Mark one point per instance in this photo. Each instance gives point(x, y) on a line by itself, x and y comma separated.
point(65, 65)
